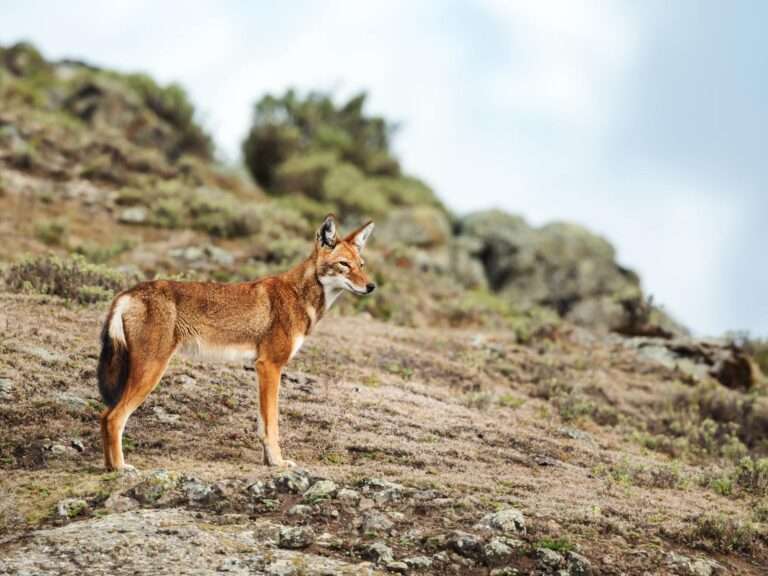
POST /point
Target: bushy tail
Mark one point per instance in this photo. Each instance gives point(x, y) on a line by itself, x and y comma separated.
point(114, 362)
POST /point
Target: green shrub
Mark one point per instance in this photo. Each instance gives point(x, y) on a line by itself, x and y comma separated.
point(752, 475)
point(722, 533)
point(51, 232)
point(72, 278)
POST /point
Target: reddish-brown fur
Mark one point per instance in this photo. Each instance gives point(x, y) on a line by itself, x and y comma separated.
point(266, 319)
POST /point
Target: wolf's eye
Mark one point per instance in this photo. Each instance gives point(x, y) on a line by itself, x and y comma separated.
point(344, 265)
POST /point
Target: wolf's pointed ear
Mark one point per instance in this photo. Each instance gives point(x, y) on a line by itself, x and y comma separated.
point(326, 235)
point(360, 236)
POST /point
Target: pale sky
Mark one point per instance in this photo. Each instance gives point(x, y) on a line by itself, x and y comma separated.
point(645, 121)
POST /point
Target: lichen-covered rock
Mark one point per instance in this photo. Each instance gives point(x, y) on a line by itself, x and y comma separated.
point(70, 508)
point(293, 481)
point(154, 487)
point(498, 551)
point(508, 521)
point(296, 537)
point(549, 560)
point(685, 566)
point(379, 553)
point(577, 564)
point(320, 490)
point(421, 226)
point(466, 545)
point(418, 562)
point(348, 497)
point(373, 521)
point(561, 265)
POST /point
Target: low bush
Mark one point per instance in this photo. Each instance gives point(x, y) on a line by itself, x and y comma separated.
point(72, 278)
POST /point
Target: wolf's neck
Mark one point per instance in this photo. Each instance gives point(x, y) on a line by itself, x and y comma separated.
point(309, 290)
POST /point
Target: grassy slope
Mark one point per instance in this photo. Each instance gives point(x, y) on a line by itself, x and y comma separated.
point(458, 412)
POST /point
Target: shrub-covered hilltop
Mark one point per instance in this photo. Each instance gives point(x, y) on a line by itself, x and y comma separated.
point(508, 402)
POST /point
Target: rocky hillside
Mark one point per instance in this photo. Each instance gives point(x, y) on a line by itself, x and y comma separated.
point(508, 402)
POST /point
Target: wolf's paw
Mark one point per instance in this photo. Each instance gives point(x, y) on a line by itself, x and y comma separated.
point(288, 464)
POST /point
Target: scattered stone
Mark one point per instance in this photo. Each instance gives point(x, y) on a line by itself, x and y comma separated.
point(59, 449)
point(133, 215)
point(508, 521)
point(6, 388)
point(300, 510)
point(72, 401)
point(366, 504)
point(117, 503)
point(375, 522)
point(379, 553)
point(549, 559)
point(154, 487)
point(508, 571)
point(78, 445)
point(466, 545)
point(418, 562)
point(347, 496)
point(292, 481)
point(164, 416)
point(230, 565)
point(296, 537)
point(578, 565)
point(685, 566)
point(70, 508)
point(328, 540)
point(321, 490)
point(498, 551)
point(575, 434)
point(196, 491)
point(397, 567)
point(259, 489)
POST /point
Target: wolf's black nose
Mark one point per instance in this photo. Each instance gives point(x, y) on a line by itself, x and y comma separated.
point(370, 287)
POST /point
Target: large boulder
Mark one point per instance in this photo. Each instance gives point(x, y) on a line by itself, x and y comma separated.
point(561, 265)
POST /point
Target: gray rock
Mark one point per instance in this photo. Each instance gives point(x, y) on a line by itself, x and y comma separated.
point(6, 388)
point(196, 491)
point(422, 226)
point(203, 256)
point(379, 553)
point(153, 488)
point(374, 521)
point(117, 503)
point(300, 510)
point(561, 265)
point(418, 562)
point(397, 567)
point(320, 490)
point(498, 551)
point(578, 565)
point(72, 401)
point(296, 537)
point(160, 541)
point(466, 545)
point(133, 215)
point(259, 490)
point(77, 445)
point(71, 508)
point(685, 566)
point(549, 559)
point(292, 481)
point(508, 521)
point(348, 497)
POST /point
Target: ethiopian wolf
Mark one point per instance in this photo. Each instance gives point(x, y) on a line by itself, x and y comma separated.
point(264, 320)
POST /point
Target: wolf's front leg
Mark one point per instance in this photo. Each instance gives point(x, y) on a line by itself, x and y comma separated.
point(269, 432)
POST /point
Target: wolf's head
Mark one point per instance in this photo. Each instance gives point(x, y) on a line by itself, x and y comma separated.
point(340, 265)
